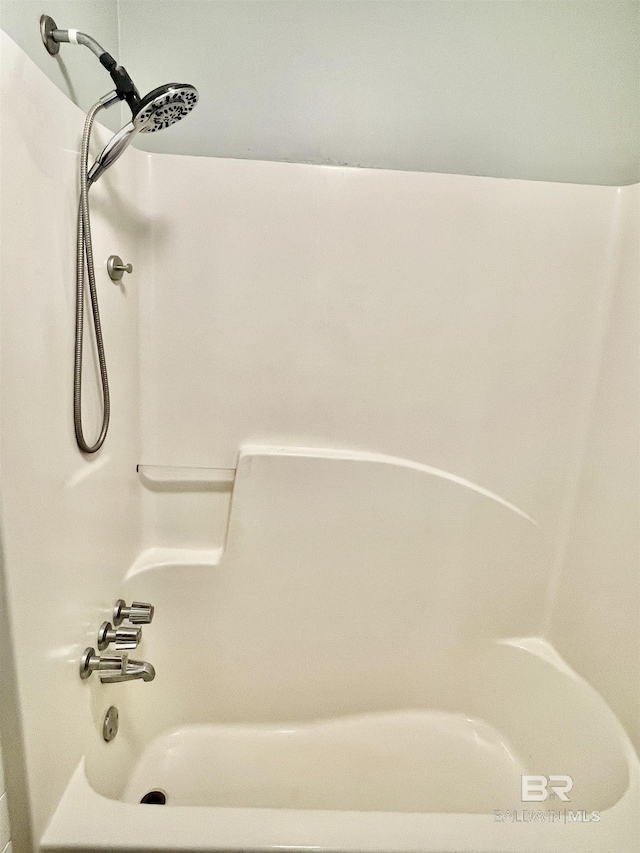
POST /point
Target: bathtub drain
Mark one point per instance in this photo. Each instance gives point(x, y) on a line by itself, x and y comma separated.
point(156, 798)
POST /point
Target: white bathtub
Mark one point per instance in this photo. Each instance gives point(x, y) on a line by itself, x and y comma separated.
point(388, 781)
point(345, 677)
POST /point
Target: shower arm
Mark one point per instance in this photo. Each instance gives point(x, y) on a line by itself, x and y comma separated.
point(76, 37)
point(53, 38)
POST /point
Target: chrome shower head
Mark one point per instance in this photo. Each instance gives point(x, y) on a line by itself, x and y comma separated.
point(161, 108)
point(164, 106)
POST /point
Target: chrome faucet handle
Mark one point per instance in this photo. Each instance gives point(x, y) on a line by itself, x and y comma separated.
point(114, 668)
point(90, 662)
point(125, 637)
point(139, 613)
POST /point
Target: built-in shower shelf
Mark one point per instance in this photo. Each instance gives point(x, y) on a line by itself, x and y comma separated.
point(173, 476)
point(174, 558)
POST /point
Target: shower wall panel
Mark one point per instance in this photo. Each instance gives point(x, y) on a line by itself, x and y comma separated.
point(596, 605)
point(455, 321)
point(70, 524)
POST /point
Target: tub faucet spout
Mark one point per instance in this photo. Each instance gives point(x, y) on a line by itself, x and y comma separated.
point(115, 668)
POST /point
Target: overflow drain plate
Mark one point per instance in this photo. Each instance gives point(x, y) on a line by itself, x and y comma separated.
point(110, 724)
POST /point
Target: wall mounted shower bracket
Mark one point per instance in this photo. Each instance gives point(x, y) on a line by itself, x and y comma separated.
point(116, 267)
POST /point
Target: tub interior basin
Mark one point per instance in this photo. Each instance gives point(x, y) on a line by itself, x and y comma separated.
point(406, 761)
point(458, 740)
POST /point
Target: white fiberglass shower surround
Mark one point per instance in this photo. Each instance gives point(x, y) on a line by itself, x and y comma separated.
point(357, 419)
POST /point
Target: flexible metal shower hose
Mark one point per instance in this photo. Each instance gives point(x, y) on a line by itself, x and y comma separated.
point(85, 251)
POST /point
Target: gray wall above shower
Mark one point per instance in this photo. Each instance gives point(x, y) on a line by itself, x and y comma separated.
point(545, 90)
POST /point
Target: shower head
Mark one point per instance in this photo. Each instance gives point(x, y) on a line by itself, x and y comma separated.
point(161, 108)
point(164, 106)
